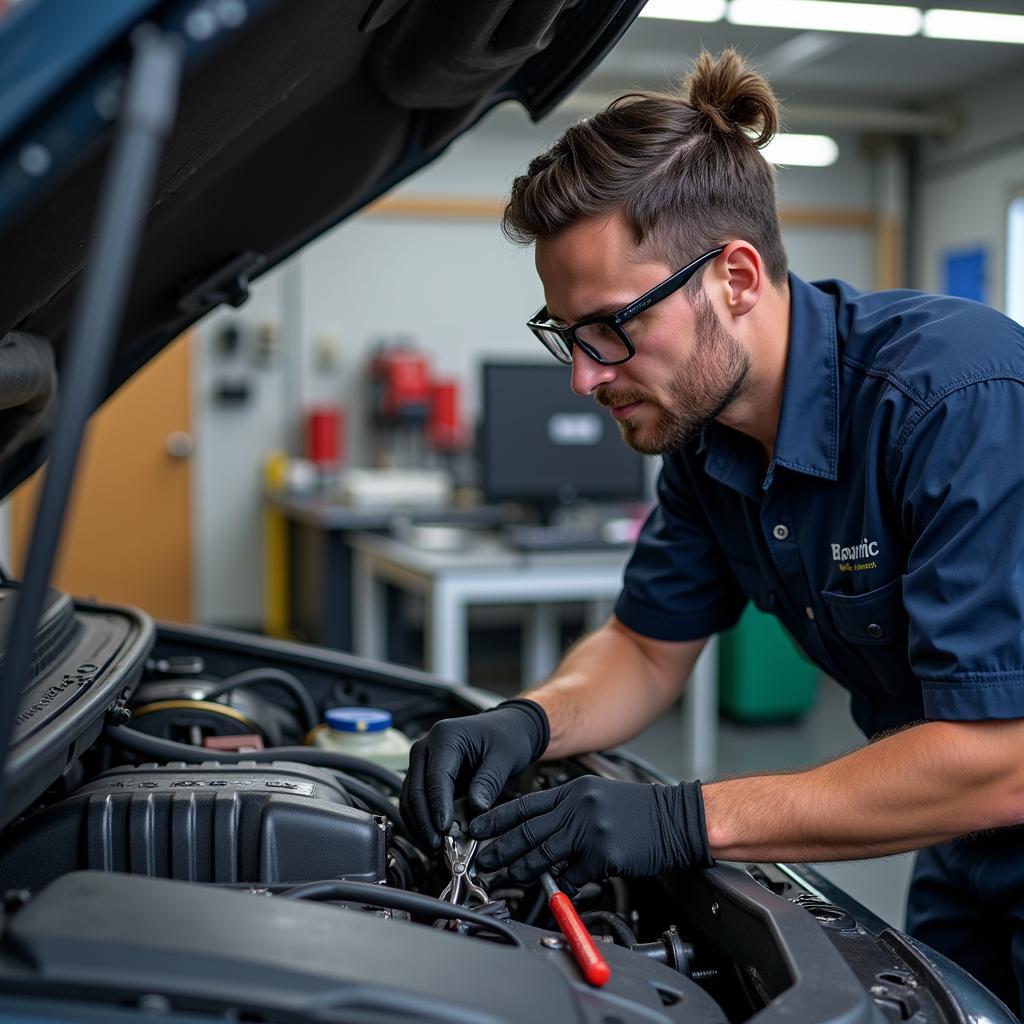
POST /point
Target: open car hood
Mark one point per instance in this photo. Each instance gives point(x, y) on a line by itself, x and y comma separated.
point(291, 116)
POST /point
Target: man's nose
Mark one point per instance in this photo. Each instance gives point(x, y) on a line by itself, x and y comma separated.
point(587, 374)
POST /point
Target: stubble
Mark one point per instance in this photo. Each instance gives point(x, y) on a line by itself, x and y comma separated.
point(698, 392)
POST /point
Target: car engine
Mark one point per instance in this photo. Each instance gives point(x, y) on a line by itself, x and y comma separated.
point(254, 823)
point(183, 845)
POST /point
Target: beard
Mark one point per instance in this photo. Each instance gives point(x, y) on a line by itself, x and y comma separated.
point(698, 392)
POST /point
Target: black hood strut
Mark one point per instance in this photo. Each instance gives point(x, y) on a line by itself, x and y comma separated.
point(145, 121)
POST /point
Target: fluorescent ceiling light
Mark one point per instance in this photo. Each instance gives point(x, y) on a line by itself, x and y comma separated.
point(802, 150)
point(685, 10)
point(827, 16)
point(974, 25)
point(843, 16)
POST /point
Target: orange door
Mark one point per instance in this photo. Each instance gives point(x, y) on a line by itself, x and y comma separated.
point(127, 539)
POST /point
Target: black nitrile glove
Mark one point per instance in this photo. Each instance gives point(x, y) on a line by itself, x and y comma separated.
point(494, 745)
point(598, 827)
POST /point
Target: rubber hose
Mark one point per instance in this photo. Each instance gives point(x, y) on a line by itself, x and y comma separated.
point(318, 757)
point(398, 899)
point(275, 677)
point(623, 933)
point(539, 903)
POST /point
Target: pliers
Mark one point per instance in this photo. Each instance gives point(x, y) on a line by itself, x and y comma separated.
point(459, 851)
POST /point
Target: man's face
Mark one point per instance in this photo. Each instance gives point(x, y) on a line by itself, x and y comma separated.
point(687, 369)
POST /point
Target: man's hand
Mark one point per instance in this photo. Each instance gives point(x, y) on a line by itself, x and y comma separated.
point(598, 826)
point(494, 746)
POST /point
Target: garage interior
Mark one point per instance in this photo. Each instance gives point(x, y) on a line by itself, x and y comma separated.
point(257, 425)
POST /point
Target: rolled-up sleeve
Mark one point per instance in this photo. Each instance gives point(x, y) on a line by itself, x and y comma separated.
point(959, 485)
point(677, 584)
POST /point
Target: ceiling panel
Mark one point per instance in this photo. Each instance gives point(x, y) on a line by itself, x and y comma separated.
point(815, 67)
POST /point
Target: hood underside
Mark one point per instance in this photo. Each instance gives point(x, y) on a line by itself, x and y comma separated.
point(289, 119)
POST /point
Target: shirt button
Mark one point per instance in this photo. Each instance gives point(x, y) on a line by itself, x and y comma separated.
point(875, 631)
point(809, 612)
point(780, 531)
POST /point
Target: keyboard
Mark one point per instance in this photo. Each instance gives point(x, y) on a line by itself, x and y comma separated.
point(556, 538)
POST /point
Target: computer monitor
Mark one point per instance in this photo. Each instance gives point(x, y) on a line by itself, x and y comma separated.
point(541, 443)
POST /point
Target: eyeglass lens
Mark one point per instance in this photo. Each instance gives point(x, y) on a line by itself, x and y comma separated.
point(604, 341)
point(557, 345)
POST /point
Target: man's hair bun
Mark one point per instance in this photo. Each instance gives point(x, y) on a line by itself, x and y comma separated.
point(732, 98)
point(683, 168)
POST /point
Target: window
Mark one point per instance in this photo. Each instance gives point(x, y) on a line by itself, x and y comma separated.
point(1015, 260)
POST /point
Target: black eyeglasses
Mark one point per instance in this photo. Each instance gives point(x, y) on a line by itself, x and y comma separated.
point(604, 337)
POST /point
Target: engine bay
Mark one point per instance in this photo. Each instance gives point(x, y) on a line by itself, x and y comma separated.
point(191, 846)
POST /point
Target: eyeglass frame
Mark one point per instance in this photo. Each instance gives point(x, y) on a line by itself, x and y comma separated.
point(618, 318)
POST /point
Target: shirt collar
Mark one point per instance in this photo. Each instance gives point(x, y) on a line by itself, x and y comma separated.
point(808, 436)
point(732, 459)
point(807, 440)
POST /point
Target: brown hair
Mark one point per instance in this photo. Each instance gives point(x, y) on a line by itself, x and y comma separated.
point(686, 171)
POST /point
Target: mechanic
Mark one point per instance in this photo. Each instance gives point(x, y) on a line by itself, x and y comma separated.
point(849, 461)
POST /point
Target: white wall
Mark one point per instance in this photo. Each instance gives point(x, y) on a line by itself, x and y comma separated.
point(454, 286)
point(966, 184)
point(230, 443)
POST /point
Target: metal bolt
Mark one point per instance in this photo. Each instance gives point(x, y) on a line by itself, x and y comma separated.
point(15, 899)
point(107, 98)
point(704, 973)
point(153, 1003)
point(552, 942)
point(232, 13)
point(35, 159)
point(201, 24)
point(715, 909)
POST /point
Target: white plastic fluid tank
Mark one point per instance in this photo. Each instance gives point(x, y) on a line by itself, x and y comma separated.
point(364, 732)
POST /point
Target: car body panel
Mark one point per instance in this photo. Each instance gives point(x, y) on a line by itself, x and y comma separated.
point(290, 119)
point(292, 116)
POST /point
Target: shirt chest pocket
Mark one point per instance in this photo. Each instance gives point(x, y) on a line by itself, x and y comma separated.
point(873, 627)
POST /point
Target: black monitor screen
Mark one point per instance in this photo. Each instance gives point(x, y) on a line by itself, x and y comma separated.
point(539, 441)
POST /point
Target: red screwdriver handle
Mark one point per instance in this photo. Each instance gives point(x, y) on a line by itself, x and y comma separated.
point(594, 966)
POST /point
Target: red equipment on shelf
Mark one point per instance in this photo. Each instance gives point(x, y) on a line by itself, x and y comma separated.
point(400, 386)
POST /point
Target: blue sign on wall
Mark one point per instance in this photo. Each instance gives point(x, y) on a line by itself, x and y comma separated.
point(963, 274)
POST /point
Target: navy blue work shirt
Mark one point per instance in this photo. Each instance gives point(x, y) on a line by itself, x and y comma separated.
point(887, 532)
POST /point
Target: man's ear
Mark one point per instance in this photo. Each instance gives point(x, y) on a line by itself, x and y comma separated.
point(741, 276)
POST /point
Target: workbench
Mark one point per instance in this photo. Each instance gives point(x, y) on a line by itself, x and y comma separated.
point(318, 557)
point(483, 571)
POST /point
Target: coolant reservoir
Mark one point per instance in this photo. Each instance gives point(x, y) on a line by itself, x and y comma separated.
point(364, 732)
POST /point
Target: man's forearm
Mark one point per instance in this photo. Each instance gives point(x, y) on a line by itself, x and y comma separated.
point(921, 786)
point(609, 687)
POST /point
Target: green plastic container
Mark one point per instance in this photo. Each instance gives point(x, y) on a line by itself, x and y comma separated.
point(762, 676)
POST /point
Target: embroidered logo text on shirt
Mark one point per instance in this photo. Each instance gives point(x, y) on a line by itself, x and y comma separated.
point(857, 556)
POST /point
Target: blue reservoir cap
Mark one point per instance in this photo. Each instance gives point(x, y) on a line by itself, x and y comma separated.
point(358, 719)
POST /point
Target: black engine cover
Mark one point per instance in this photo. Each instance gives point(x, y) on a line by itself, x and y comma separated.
point(248, 823)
